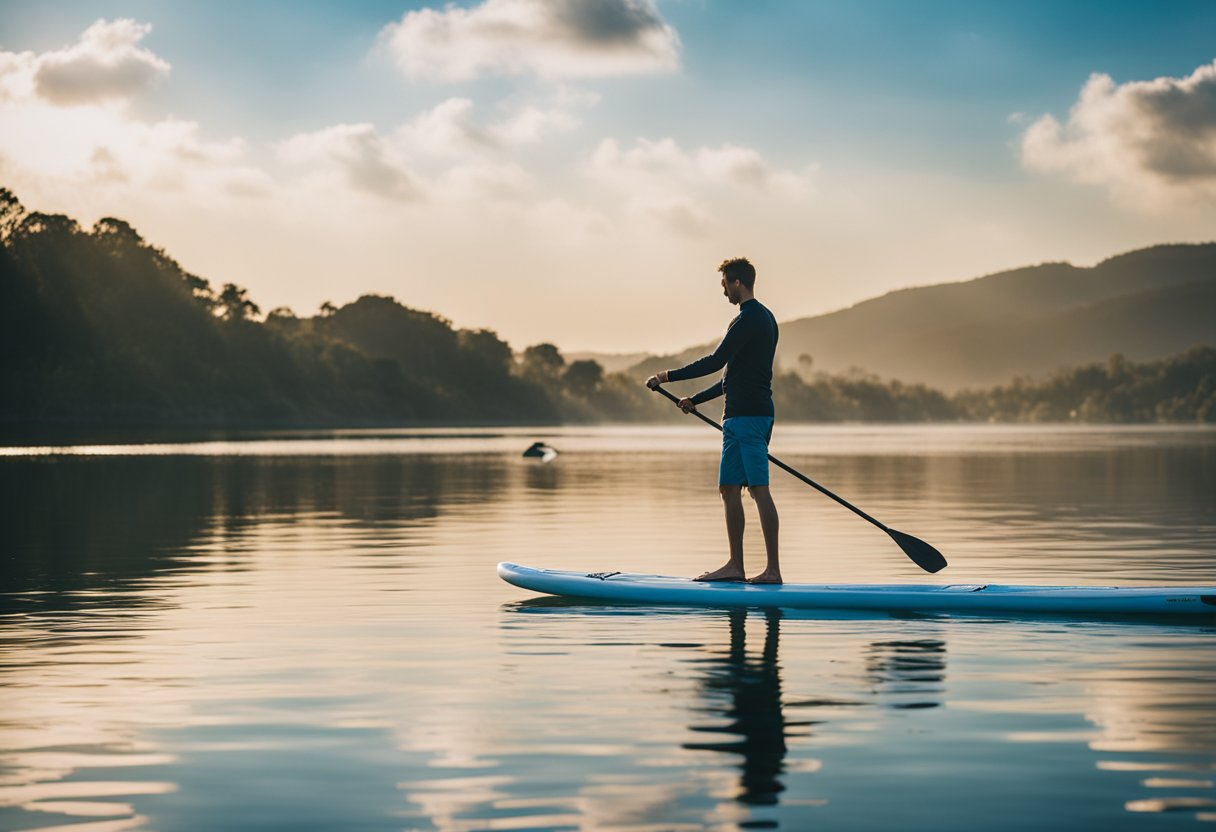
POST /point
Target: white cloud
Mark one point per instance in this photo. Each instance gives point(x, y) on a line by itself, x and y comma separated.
point(447, 130)
point(499, 182)
point(105, 65)
point(680, 188)
point(1148, 142)
point(77, 95)
point(359, 156)
point(728, 165)
point(681, 215)
point(98, 145)
point(532, 123)
point(451, 130)
point(169, 155)
point(547, 38)
point(444, 153)
point(17, 75)
point(66, 126)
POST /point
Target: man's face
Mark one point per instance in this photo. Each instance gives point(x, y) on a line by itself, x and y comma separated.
point(731, 289)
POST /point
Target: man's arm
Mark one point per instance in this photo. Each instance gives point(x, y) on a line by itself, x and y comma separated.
point(689, 404)
point(736, 337)
point(711, 392)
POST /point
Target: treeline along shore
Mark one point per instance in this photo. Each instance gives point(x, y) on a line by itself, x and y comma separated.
point(100, 328)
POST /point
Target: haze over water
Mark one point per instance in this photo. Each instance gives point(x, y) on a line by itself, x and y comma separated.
point(305, 631)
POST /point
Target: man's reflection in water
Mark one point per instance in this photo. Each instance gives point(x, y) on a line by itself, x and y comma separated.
point(746, 691)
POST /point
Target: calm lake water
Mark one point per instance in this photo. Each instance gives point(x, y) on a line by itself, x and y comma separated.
point(305, 631)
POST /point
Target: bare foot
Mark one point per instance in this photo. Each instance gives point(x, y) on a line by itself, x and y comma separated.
point(727, 574)
point(768, 576)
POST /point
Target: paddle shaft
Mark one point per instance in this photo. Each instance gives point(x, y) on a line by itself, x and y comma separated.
point(790, 470)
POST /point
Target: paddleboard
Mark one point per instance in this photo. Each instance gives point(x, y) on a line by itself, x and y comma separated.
point(628, 587)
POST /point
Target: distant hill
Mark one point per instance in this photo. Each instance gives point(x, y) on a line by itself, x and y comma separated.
point(612, 362)
point(1145, 304)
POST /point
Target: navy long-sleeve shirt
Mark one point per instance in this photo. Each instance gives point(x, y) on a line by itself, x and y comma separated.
point(747, 354)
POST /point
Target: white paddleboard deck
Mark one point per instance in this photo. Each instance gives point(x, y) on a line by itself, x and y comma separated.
point(627, 587)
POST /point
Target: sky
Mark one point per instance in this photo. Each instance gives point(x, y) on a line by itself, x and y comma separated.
point(573, 171)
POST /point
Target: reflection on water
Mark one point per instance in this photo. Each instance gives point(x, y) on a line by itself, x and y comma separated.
point(113, 523)
point(909, 673)
point(307, 633)
point(744, 692)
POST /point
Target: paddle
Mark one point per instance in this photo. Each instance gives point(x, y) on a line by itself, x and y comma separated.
point(921, 553)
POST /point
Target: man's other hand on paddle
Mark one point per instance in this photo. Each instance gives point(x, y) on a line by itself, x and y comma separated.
point(686, 404)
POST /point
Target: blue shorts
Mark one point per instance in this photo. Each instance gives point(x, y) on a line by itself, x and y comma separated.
point(745, 450)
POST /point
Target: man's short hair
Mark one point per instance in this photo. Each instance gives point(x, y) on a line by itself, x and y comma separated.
point(741, 269)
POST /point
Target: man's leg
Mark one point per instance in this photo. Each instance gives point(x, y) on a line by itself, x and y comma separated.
point(755, 433)
point(769, 523)
point(732, 503)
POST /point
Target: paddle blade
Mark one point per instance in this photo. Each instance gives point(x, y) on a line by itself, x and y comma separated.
point(921, 553)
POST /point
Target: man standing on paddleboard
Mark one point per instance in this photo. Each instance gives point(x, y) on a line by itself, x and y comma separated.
point(747, 425)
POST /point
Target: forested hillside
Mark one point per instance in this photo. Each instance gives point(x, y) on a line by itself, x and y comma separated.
point(100, 328)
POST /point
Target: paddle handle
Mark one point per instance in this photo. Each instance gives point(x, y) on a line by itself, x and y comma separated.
point(825, 492)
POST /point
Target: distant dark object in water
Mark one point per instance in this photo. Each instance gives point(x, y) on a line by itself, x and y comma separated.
point(541, 451)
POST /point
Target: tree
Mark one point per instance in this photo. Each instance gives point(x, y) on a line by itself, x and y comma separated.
point(583, 377)
point(805, 362)
point(117, 232)
point(542, 361)
point(485, 346)
point(282, 314)
point(12, 212)
point(235, 305)
point(53, 227)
